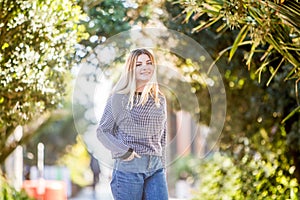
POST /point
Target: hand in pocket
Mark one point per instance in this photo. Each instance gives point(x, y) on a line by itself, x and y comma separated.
point(132, 156)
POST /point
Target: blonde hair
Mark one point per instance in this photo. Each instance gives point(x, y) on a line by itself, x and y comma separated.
point(127, 82)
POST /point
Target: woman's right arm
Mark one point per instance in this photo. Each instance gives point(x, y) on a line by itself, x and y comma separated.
point(105, 131)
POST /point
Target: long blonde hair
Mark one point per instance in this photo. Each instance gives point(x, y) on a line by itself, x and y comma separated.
point(127, 82)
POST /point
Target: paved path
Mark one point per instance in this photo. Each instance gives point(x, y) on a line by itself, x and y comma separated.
point(102, 192)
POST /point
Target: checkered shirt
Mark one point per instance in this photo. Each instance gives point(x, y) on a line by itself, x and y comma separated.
point(142, 128)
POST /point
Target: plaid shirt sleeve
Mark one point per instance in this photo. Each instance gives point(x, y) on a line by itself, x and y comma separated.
point(164, 137)
point(105, 131)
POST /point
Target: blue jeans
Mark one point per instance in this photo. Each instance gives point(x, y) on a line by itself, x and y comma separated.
point(139, 179)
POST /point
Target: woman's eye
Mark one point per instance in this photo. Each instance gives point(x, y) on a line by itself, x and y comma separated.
point(148, 63)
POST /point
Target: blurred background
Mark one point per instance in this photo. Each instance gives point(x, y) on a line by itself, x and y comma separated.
point(47, 45)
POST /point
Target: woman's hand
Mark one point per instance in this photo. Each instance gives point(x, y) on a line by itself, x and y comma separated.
point(132, 156)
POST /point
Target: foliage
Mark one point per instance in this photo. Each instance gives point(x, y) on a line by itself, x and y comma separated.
point(248, 102)
point(7, 192)
point(257, 132)
point(219, 178)
point(271, 28)
point(37, 42)
point(222, 177)
point(106, 18)
point(271, 165)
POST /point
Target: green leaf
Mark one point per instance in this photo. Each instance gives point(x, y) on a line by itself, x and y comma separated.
point(261, 68)
point(252, 51)
point(205, 25)
point(241, 36)
point(291, 114)
point(274, 73)
point(188, 15)
point(272, 41)
point(224, 51)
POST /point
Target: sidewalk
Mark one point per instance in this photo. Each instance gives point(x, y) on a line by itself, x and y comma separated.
point(102, 192)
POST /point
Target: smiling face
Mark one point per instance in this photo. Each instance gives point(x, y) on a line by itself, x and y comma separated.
point(144, 70)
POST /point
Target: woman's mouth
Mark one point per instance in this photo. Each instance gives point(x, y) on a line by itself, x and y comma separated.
point(145, 73)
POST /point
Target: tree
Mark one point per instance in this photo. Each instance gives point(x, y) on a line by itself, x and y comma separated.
point(106, 18)
point(257, 134)
point(270, 28)
point(37, 44)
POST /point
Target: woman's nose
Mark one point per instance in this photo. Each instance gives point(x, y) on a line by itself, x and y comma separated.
point(144, 66)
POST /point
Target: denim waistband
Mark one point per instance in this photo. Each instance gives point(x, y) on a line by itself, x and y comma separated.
point(147, 163)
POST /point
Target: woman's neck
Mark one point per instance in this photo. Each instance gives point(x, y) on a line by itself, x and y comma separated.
point(140, 88)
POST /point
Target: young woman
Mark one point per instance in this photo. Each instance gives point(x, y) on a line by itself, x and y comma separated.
point(133, 128)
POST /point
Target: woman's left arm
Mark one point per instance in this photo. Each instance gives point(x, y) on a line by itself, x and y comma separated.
point(164, 136)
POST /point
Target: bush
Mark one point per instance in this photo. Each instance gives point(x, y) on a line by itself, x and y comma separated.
point(218, 178)
point(223, 177)
point(9, 193)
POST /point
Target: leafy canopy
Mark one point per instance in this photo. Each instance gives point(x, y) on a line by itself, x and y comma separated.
point(37, 40)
